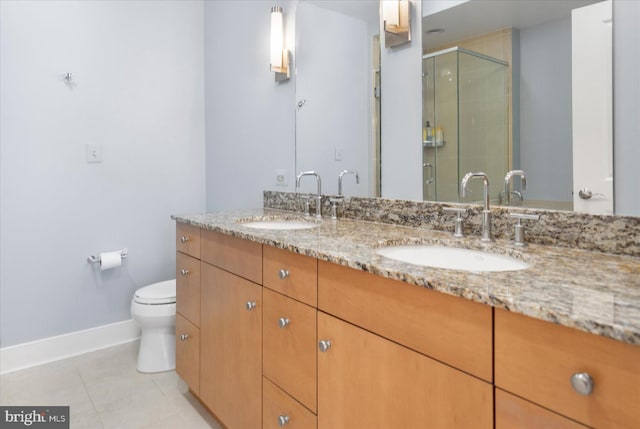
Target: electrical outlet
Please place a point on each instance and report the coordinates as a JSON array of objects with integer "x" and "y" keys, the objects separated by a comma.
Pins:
[
  {"x": 94, "y": 153},
  {"x": 281, "y": 177}
]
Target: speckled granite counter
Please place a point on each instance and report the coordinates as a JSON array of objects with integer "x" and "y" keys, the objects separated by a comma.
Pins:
[{"x": 593, "y": 292}]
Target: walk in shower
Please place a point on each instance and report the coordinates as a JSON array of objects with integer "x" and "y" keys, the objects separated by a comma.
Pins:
[{"x": 465, "y": 122}]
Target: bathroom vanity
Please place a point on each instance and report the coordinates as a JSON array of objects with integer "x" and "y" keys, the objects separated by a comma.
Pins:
[{"x": 311, "y": 328}]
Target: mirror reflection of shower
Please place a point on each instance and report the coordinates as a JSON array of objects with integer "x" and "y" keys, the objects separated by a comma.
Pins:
[{"x": 465, "y": 122}]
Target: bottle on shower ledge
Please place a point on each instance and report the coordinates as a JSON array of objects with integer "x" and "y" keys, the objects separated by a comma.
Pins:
[{"x": 427, "y": 133}]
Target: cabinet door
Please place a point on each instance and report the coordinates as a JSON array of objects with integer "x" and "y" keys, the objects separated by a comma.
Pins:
[
  {"x": 188, "y": 287},
  {"x": 231, "y": 348},
  {"x": 516, "y": 413},
  {"x": 368, "y": 382},
  {"x": 188, "y": 353},
  {"x": 289, "y": 346}
]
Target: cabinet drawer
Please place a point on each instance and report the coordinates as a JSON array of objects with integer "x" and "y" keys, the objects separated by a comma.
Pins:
[
  {"x": 289, "y": 346},
  {"x": 516, "y": 413},
  {"x": 188, "y": 353},
  {"x": 452, "y": 330},
  {"x": 279, "y": 410},
  {"x": 291, "y": 274},
  {"x": 188, "y": 239},
  {"x": 188, "y": 287},
  {"x": 236, "y": 255},
  {"x": 536, "y": 359}
]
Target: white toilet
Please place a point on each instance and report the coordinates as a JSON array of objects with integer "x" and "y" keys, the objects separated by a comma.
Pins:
[{"x": 154, "y": 309}]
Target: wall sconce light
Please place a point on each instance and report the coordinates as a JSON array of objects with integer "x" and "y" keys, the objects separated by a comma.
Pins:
[
  {"x": 279, "y": 55},
  {"x": 397, "y": 25}
]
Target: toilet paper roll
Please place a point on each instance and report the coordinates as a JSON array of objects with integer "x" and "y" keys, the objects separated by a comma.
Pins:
[{"x": 109, "y": 260}]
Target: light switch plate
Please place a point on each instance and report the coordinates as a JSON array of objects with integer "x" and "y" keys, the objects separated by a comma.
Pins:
[{"x": 94, "y": 153}]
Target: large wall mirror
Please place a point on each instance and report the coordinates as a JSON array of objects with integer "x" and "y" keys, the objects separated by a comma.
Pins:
[
  {"x": 519, "y": 85},
  {"x": 499, "y": 86}
]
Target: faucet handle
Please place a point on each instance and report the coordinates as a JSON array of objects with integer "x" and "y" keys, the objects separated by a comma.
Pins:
[
  {"x": 307, "y": 205},
  {"x": 335, "y": 200},
  {"x": 519, "y": 229},
  {"x": 458, "y": 232}
]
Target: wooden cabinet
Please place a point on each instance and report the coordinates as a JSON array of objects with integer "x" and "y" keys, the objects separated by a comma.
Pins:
[
  {"x": 536, "y": 360},
  {"x": 233, "y": 254},
  {"x": 188, "y": 239},
  {"x": 291, "y": 274},
  {"x": 449, "y": 329},
  {"x": 289, "y": 346},
  {"x": 366, "y": 381},
  {"x": 188, "y": 353},
  {"x": 231, "y": 348},
  {"x": 516, "y": 413},
  {"x": 281, "y": 410},
  {"x": 188, "y": 287}
]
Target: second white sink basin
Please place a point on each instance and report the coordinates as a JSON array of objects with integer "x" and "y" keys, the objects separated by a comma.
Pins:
[
  {"x": 279, "y": 224},
  {"x": 452, "y": 258}
]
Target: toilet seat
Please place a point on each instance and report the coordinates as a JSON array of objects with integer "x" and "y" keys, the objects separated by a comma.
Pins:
[{"x": 157, "y": 293}]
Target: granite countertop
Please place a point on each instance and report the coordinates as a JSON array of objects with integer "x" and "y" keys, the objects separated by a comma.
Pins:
[{"x": 593, "y": 292}]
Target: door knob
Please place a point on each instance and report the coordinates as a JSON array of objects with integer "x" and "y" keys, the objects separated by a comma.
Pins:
[
  {"x": 324, "y": 345},
  {"x": 184, "y": 239},
  {"x": 184, "y": 337},
  {"x": 283, "y": 420},
  {"x": 283, "y": 274},
  {"x": 582, "y": 383},
  {"x": 283, "y": 322},
  {"x": 184, "y": 272},
  {"x": 250, "y": 305}
]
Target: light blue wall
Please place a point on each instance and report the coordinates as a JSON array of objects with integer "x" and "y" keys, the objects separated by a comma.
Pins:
[
  {"x": 626, "y": 106},
  {"x": 250, "y": 118},
  {"x": 545, "y": 110},
  {"x": 138, "y": 69}
]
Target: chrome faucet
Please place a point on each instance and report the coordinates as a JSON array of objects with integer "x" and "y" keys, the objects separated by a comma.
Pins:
[
  {"x": 507, "y": 179},
  {"x": 486, "y": 213},
  {"x": 342, "y": 173},
  {"x": 318, "y": 196}
]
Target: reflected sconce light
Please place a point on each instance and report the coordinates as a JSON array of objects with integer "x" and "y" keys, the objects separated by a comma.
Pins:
[
  {"x": 279, "y": 55},
  {"x": 397, "y": 25}
]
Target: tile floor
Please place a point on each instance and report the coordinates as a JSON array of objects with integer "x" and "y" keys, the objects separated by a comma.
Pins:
[{"x": 105, "y": 391}]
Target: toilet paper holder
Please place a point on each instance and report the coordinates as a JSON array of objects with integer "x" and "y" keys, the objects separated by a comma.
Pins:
[{"x": 96, "y": 259}]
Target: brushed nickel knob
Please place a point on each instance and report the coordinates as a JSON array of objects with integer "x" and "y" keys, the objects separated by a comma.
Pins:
[
  {"x": 582, "y": 383},
  {"x": 324, "y": 345},
  {"x": 250, "y": 305},
  {"x": 283, "y": 274},
  {"x": 184, "y": 337},
  {"x": 184, "y": 239},
  {"x": 283, "y": 322},
  {"x": 184, "y": 272},
  {"x": 283, "y": 420}
]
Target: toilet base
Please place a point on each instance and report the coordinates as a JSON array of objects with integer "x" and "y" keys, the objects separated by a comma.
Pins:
[{"x": 157, "y": 350}]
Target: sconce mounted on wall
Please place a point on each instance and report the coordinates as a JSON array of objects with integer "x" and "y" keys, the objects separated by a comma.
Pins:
[
  {"x": 279, "y": 55},
  {"x": 397, "y": 23}
]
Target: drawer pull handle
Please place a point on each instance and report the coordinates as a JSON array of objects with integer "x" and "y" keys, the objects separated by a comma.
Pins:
[
  {"x": 283, "y": 420},
  {"x": 283, "y": 322},
  {"x": 283, "y": 274},
  {"x": 184, "y": 239},
  {"x": 582, "y": 383},
  {"x": 184, "y": 337},
  {"x": 324, "y": 345},
  {"x": 250, "y": 305},
  {"x": 184, "y": 272}
]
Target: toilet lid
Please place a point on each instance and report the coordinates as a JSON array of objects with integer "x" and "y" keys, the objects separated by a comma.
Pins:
[{"x": 157, "y": 293}]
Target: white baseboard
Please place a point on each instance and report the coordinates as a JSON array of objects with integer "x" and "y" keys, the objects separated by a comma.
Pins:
[{"x": 51, "y": 349}]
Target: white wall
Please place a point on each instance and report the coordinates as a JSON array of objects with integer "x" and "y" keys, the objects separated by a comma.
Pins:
[
  {"x": 626, "y": 107},
  {"x": 250, "y": 118},
  {"x": 138, "y": 69},
  {"x": 401, "y": 111}
]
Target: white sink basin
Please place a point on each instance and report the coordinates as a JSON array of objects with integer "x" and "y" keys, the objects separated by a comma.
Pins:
[
  {"x": 279, "y": 224},
  {"x": 453, "y": 258}
]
